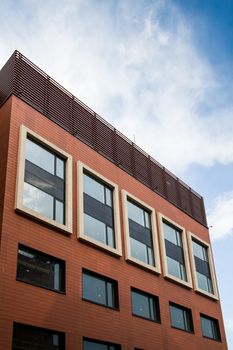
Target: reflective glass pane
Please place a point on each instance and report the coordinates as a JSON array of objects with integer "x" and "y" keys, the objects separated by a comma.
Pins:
[
  {"x": 39, "y": 156},
  {"x": 150, "y": 254},
  {"x": 110, "y": 234},
  {"x": 172, "y": 234},
  {"x": 204, "y": 282},
  {"x": 135, "y": 213},
  {"x": 38, "y": 200},
  {"x": 108, "y": 194},
  {"x": 60, "y": 168},
  {"x": 147, "y": 219},
  {"x": 199, "y": 251},
  {"x": 94, "y": 228},
  {"x": 93, "y": 188},
  {"x": 89, "y": 345},
  {"x": 206, "y": 325},
  {"x": 94, "y": 289},
  {"x": 110, "y": 294},
  {"x": 140, "y": 305},
  {"x": 177, "y": 317},
  {"x": 59, "y": 212},
  {"x": 174, "y": 267},
  {"x": 138, "y": 250}
]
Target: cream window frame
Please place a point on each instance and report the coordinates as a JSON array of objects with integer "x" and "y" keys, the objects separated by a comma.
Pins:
[
  {"x": 215, "y": 294},
  {"x": 155, "y": 241},
  {"x": 81, "y": 167},
  {"x": 24, "y": 132},
  {"x": 166, "y": 274}
]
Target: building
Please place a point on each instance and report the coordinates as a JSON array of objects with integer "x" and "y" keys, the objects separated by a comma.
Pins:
[{"x": 101, "y": 246}]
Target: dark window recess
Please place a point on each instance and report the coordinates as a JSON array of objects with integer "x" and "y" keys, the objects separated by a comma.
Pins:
[
  {"x": 210, "y": 327},
  {"x": 140, "y": 233},
  {"x": 28, "y": 337},
  {"x": 100, "y": 290},
  {"x": 89, "y": 344},
  {"x": 181, "y": 317},
  {"x": 37, "y": 268},
  {"x": 44, "y": 182},
  {"x": 145, "y": 305},
  {"x": 174, "y": 251},
  {"x": 202, "y": 267},
  {"x": 98, "y": 211}
]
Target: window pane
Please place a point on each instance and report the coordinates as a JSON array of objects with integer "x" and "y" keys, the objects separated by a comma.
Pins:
[
  {"x": 41, "y": 269},
  {"x": 111, "y": 241},
  {"x": 199, "y": 251},
  {"x": 89, "y": 345},
  {"x": 140, "y": 305},
  {"x": 172, "y": 235},
  {"x": 27, "y": 338},
  {"x": 94, "y": 289},
  {"x": 59, "y": 212},
  {"x": 38, "y": 200},
  {"x": 60, "y": 168},
  {"x": 175, "y": 268},
  {"x": 93, "y": 188},
  {"x": 108, "y": 194},
  {"x": 138, "y": 250},
  {"x": 207, "y": 328},
  {"x": 177, "y": 317},
  {"x": 204, "y": 282},
  {"x": 147, "y": 219},
  {"x": 151, "y": 260},
  {"x": 94, "y": 228},
  {"x": 135, "y": 213},
  {"x": 39, "y": 156}
]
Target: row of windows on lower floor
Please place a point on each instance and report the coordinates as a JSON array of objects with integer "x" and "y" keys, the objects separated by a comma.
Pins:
[
  {"x": 43, "y": 270},
  {"x": 27, "y": 337}
]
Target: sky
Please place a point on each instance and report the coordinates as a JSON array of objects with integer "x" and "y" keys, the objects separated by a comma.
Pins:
[{"x": 161, "y": 72}]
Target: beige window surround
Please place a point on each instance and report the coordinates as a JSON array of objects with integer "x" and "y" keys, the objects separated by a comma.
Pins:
[
  {"x": 215, "y": 294},
  {"x": 19, "y": 206},
  {"x": 81, "y": 168},
  {"x": 161, "y": 220},
  {"x": 157, "y": 268}
]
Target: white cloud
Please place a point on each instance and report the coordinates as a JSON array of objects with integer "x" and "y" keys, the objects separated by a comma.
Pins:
[
  {"x": 220, "y": 216},
  {"x": 135, "y": 64}
]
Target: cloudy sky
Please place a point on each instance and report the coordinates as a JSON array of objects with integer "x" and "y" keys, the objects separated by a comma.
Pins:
[{"x": 161, "y": 72}]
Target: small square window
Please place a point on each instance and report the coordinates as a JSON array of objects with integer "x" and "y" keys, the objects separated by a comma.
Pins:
[
  {"x": 40, "y": 269},
  {"x": 181, "y": 317},
  {"x": 98, "y": 210},
  {"x": 210, "y": 328},
  {"x": 44, "y": 181},
  {"x": 202, "y": 266},
  {"x": 140, "y": 233},
  {"x": 27, "y": 337},
  {"x": 100, "y": 290},
  {"x": 174, "y": 252},
  {"x": 90, "y": 344},
  {"x": 145, "y": 305}
]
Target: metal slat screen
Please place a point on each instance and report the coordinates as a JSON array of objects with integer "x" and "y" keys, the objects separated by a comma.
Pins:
[{"x": 22, "y": 78}]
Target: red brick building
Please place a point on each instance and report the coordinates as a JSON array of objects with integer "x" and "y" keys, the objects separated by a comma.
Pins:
[{"x": 101, "y": 246}]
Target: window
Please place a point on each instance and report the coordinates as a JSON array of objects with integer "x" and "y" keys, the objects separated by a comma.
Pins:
[
  {"x": 202, "y": 265},
  {"x": 181, "y": 317},
  {"x": 44, "y": 181},
  {"x": 100, "y": 290},
  {"x": 28, "y": 337},
  {"x": 174, "y": 252},
  {"x": 99, "y": 210},
  {"x": 43, "y": 270},
  {"x": 141, "y": 235},
  {"x": 145, "y": 305},
  {"x": 210, "y": 327},
  {"x": 89, "y": 344}
]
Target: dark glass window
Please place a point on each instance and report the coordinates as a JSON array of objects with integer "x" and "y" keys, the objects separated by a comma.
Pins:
[
  {"x": 181, "y": 317},
  {"x": 100, "y": 290},
  {"x": 145, "y": 305},
  {"x": 44, "y": 182},
  {"x": 89, "y": 344},
  {"x": 140, "y": 233},
  {"x": 28, "y": 337},
  {"x": 37, "y": 268},
  {"x": 210, "y": 327},
  {"x": 174, "y": 251},
  {"x": 98, "y": 211},
  {"x": 202, "y": 267}
]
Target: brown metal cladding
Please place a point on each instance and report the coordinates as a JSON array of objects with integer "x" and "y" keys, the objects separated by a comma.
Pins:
[{"x": 22, "y": 78}]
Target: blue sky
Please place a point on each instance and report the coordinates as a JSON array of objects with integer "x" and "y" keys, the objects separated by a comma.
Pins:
[{"x": 157, "y": 68}]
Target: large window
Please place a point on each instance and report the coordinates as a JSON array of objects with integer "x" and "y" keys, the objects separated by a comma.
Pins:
[
  {"x": 37, "y": 268},
  {"x": 145, "y": 305},
  {"x": 28, "y": 337},
  {"x": 181, "y": 317},
  {"x": 44, "y": 181},
  {"x": 141, "y": 235},
  {"x": 203, "y": 268},
  {"x": 98, "y": 210},
  {"x": 100, "y": 290},
  {"x": 89, "y": 344},
  {"x": 210, "y": 327},
  {"x": 174, "y": 252}
]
